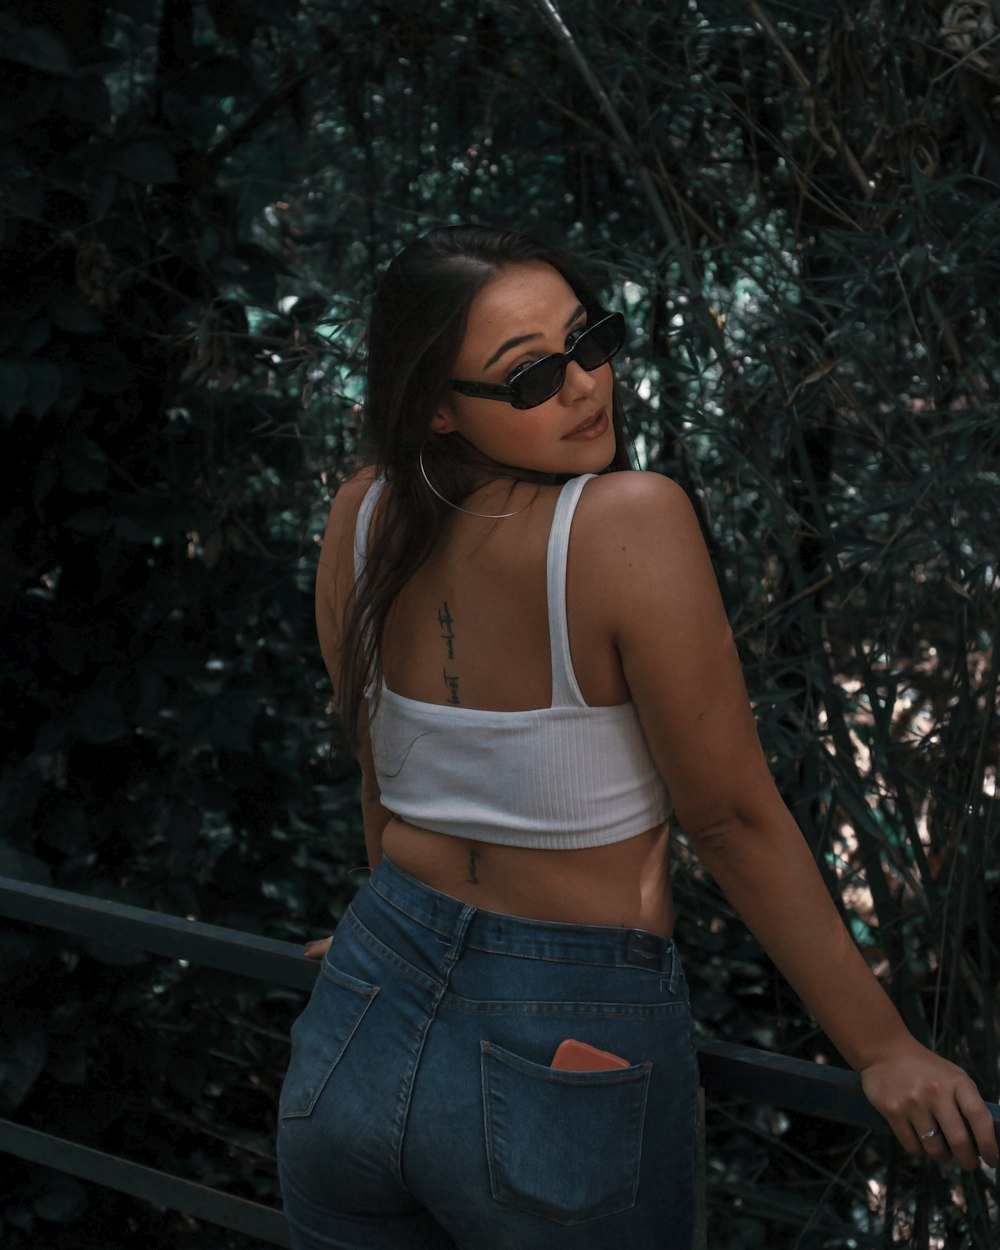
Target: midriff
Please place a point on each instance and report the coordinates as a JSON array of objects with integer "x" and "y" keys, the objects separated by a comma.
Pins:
[{"x": 622, "y": 884}]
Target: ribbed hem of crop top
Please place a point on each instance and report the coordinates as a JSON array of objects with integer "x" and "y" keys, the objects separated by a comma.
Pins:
[{"x": 562, "y": 777}]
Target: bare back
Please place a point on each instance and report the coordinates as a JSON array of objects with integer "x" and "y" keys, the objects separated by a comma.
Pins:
[{"x": 471, "y": 629}]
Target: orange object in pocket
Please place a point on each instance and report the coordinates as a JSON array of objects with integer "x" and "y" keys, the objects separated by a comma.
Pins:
[{"x": 580, "y": 1057}]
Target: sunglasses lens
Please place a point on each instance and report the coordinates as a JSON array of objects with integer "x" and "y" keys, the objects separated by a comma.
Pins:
[
  {"x": 595, "y": 347},
  {"x": 539, "y": 381}
]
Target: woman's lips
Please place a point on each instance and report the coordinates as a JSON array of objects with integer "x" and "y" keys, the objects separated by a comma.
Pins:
[{"x": 593, "y": 427}]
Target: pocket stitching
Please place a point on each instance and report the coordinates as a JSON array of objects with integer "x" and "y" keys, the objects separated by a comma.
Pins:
[
  {"x": 593, "y": 1079},
  {"x": 530, "y": 1006},
  {"x": 348, "y": 983}
]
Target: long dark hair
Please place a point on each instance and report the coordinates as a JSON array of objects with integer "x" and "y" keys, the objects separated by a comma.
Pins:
[{"x": 418, "y": 322}]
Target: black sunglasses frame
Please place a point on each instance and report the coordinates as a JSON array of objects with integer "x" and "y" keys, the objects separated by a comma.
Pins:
[{"x": 511, "y": 393}]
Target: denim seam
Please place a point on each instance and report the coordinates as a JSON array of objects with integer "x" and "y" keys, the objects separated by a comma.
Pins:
[
  {"x": 642, "y": 1130},
  {"x": 379, "y": 948},
  {"x": 405, "y": 1096},
  {"x": 369, "y": 996},
  {"x": 575, "y": 960},
  {"x": 500, "y": 949},
  {"x": 420, "y": 920},
  {"x": 647, "y": 1011}
]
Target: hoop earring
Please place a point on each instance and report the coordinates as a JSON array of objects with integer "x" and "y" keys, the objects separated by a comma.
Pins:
[{"x": 485, "y": 516}]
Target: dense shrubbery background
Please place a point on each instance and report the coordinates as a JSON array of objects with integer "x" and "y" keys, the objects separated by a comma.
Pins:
[{"x": 796, "y": 204}]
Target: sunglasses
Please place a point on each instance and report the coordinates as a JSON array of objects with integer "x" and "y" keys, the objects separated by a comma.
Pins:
[{"x": 533, "y": 384}]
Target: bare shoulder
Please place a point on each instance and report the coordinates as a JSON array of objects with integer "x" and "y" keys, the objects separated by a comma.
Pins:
[
  {"x": 344, "y": 509},
  {"x": 635, "y": 513},
  {"x": 637, "y": 543},
  {"x": 635, "y": 495},
  {"x": 335, "y": 570},
  {"x": 351, "y": 492}
]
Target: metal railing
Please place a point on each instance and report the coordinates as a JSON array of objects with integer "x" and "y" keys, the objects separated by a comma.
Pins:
[{"x": 726, "y": 1068}]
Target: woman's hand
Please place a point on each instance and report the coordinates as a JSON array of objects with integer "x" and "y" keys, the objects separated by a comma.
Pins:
[
  {"x": 931, "y": 1105},
  {"x": 317, "y": 948}
]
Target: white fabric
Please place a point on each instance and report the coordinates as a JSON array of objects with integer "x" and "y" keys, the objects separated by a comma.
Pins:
[{"x": 564, "y": 777}]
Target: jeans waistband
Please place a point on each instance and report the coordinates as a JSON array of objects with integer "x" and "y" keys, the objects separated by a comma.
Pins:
[{"x": 498, "y": 933}]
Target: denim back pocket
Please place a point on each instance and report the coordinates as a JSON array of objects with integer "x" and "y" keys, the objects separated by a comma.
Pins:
[
  {"x": 320, "y": 1036},
  {"x": 563, "y": 1145}
]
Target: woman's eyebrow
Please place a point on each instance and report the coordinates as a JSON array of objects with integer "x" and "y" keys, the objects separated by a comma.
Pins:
[{"x": 526, "y": 338}]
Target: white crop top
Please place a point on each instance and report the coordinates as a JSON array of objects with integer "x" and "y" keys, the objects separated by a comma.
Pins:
[{"x": 562, "y": 777}]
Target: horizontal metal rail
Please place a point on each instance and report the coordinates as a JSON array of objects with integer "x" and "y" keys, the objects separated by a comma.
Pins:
[
  {"x": 264, "y": 959},
  {"x": 160, "y": 1188},
  {"x": 726, "y": 1068},
  {"x": 795, "y": 1084}
]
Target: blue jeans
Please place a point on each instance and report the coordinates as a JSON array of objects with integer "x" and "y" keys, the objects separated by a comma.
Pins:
[{"x": 419, "y": 1111}]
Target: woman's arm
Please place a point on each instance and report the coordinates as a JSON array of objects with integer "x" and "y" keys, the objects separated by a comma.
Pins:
[
  {"x": 334, "y": 581},
  {"x": 334, "y": 585},
  {"x": 681, "y": 665},
  {"x": 374, "y": 816}
]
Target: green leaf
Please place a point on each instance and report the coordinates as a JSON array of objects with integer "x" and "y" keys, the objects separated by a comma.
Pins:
[
  {"x": 70, "y": 311},
  {"x": 218, "y": 76},
  {"x": 133, "y": 531},
  {"x": 99, "y": 717},
  {"x": 106, "y": 369},
  {"x": 90, "y": 521},
  {"x": 22, "y": 866},
  {"x": 84, "y": 465},
  {"x": 85, "y": 99},
  {"x": 19, "y": 1217},
  {"x": 102, "y": 195},
  {"x": 147, "y": 161},
  {"x": 21, "y": 1066},
  {"x": 232, "y": 723},
  {"x": 13, "y": 388},
  {"x": 63, "y": 1200},
  {"x": 44, "y": 385},
  {"x": 64, "y": 828},
  {"x": 34, "y": 336},
  {"x": 260, "y": 286},
  {"x": 233, "y": 21},
  {"x": 28, "y": 106},
  {"x": 152, "y": 696},
  {"x": 113, "y": 953},
  {"x": 16, "y": 948},
  {"x": 26, "y": 201},
  {"x": 54, "y": 735},
  {"x": 188, "y": 1076},
  {"x": 68, "y": 1063},
  {"x": 32, "y": 45}
]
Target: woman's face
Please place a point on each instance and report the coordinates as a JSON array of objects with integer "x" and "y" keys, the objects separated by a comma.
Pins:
[{"x": 523, "y": 313}]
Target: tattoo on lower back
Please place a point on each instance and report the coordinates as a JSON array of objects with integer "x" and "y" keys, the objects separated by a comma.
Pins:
[
  {"x": 472, "y": 878},
  {"x": 447, "y": 622}
]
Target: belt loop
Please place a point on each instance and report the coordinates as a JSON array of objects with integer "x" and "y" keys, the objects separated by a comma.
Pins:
[{"x": 461, "y": 929}]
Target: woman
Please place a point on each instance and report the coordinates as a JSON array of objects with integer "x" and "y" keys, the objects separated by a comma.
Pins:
[{"x": 532, "y": 660}]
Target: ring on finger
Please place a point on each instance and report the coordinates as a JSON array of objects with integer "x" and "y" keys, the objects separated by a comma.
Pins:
[{"x": 931, "y": 1132}]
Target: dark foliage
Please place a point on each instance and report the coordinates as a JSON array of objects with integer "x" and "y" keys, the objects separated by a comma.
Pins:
[{"x": 797, "y": 207}]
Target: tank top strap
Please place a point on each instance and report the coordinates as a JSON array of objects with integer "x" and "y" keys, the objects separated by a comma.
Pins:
[
  {"x": 372, "y": 496},
  {"x": 565, "y": 690}
]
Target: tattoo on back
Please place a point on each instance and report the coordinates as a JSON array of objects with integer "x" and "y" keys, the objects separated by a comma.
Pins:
[
  {"x": 447, "y": 633},
  {"x": 472, "y": 878},
  {"x": 446, "y": 621}
]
